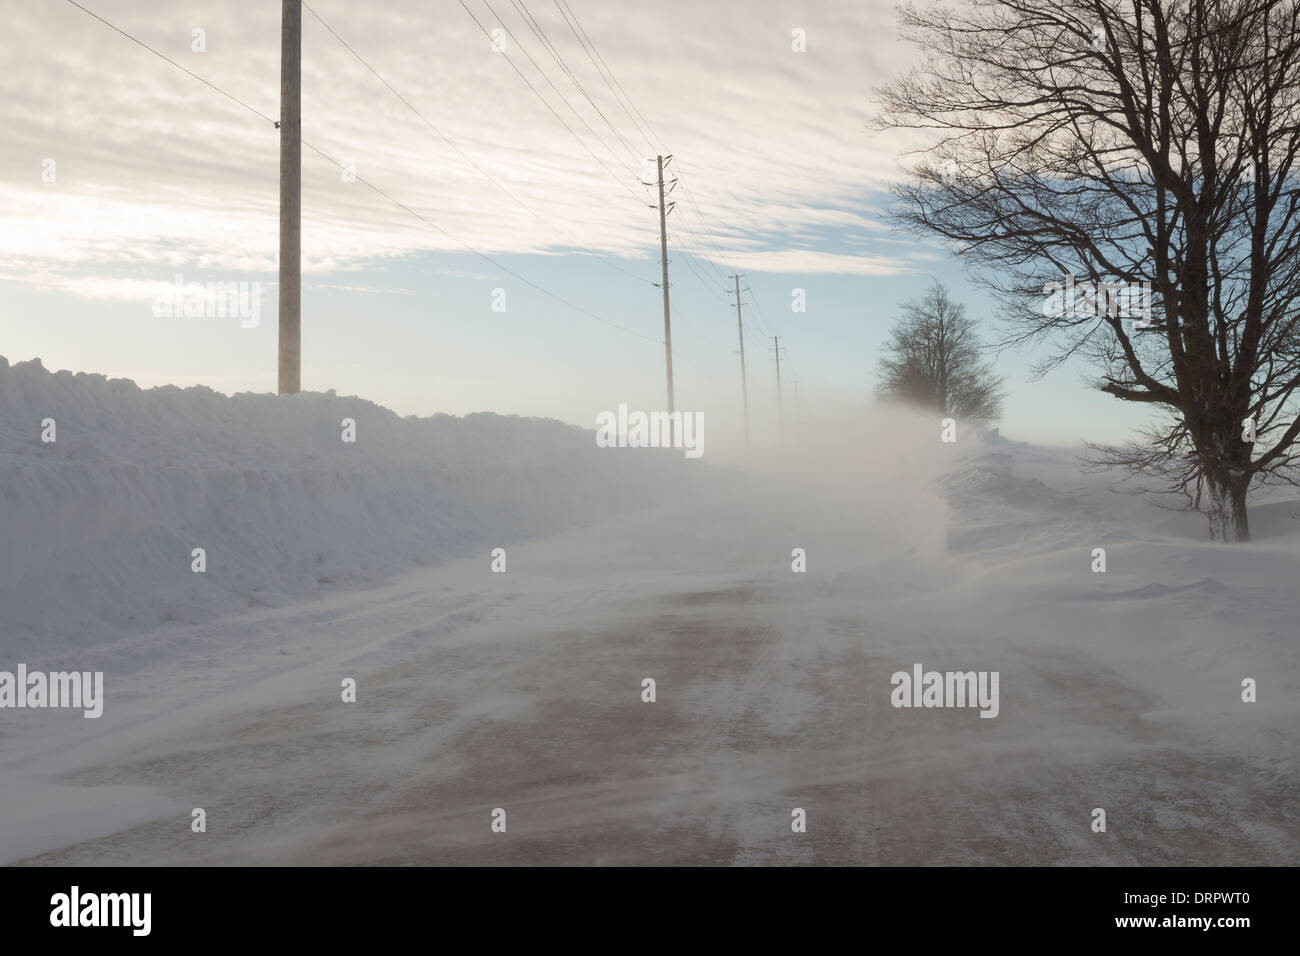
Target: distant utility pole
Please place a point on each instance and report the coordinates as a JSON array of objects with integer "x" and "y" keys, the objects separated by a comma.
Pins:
[
  {"x": 744, "y": 382},
  {"x": 663, "y": 254},
  {"x": 290, "y": 197},
  {"x": 780, "y": 412}
]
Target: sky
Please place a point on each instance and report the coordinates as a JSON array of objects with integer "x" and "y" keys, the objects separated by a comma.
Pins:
[{"x": 506, "y": 257}]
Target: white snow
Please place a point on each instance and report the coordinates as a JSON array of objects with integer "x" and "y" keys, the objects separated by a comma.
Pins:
[
  {"x": 97, "y": 528},
  {"x": 522, "y": 690}
]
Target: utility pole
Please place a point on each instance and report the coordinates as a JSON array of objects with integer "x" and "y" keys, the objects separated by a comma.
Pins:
[
  {"x": 663, "y": 255},
  {"x": 780, "y": 412},
  {"x": 290, "y": 197},
  {"x": 744, "y": 382}
]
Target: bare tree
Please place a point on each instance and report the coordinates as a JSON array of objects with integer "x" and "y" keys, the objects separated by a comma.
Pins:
[
  {"x": 1146, "y": 146},
  {"x": 932, "y": 360}
]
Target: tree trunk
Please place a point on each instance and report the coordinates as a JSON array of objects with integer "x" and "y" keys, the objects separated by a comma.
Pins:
[{"x": 1226, "y": 508}]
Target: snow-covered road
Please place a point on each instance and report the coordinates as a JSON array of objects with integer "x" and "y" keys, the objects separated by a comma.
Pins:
[{"x": 523, "y": 691}]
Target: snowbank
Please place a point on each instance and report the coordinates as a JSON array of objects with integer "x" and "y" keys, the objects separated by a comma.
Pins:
[
  {"x": 97, "y": 529},
  {"x": 1120, "y": 690}
]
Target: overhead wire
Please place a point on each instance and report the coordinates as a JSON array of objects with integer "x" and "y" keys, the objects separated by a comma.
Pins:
[
  {"x": 468, "y": 159},
  {"x": 543, "y": 99},
  {"x": 428, "y": 222}
]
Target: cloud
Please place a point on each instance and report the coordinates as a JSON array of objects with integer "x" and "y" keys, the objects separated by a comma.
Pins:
[
  {"x": 815, "y": 261},
  {"x": 156, "y": 172}
]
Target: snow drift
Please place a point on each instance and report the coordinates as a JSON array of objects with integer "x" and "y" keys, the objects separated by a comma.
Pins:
[
  {"x": 1121, "y": 690},
  {"x": 97, "y": 528}
]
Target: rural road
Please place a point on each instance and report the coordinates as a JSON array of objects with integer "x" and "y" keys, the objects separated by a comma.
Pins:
[{"x": 523, "y": 691}]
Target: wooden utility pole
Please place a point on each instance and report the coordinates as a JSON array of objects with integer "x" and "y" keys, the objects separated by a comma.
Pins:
[
  {"x": 290, "y": 197},
  {"x": 663, "y": 254},
  {"x": 780, "y": 411},
  {"x": 744, "y": 381}
]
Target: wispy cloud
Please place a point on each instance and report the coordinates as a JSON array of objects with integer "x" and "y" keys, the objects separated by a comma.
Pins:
[{"x": 155, "y": 171}]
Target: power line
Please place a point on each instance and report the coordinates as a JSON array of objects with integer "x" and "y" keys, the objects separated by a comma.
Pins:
[
  {"x": 396, "y": 202},
  {"x": 229, "y": 96},
  {"x": 563, "y": 99},
  {"x": 536, "y": 93},
  {"x": 768, "y": 327},
  {"x": 486, "y": 175},
  {"x": 695, "y": 270},
  {"x": 663, "y": 252},
  {"x": 482, "y": 255},
  {"x": 695, "y": 209},
  {"x": 540, "y": 33},
  {"x": 780, "y": 405},
  {"x": 695, "y": 238},
  {"x": 647, "y": 131},
  {"x": 744, "y": 376},
  {"x": 380, "y": 191},
  {"x": 768, "y": 324},
  {"x": 584, "y": 41}
]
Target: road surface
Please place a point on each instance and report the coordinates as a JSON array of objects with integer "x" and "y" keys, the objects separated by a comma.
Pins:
[{"x": 523, "y": 691}]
